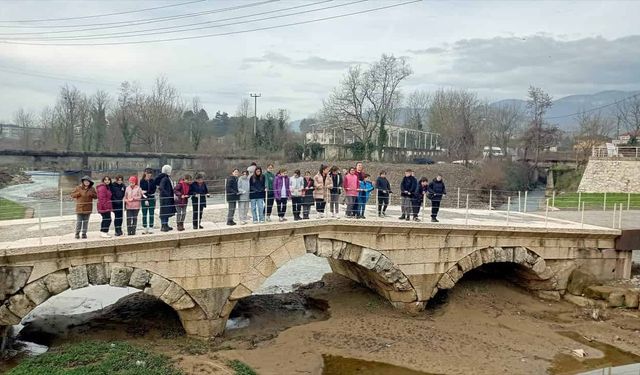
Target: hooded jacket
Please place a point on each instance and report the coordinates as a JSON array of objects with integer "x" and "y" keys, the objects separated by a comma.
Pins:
[
  {"x": 133, "y": 197},
  {"x": 383, "y": 186},
  {"x": 84, "y": 196},
  {"x": 165, "y": 187},
  {"x": 351, "y": 185},
  {"x": 117, "y": 195}
]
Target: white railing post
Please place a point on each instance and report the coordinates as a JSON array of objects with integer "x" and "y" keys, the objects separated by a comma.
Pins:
[
  {"x": 579, "y": 199},
  {"x": 466, "y": 215},
  {"x": 628, "y": 201},
  {"x": 604, "y": 202},
  {"x": 198, "y": 221},
  {"x": 546, "y": 214},
  {"x": 526, "y": 194},
  {"x": 458, "y": 206},
  {"x": 508, "y": 208},
  {"x": 519, "y": 201},
  {"x": 582, "y": 217},
  {"x": 61, "y": 203},
  {"x": 613, "y": 224},
  {"x": 553, "y": 198},
  {"x": 620, "y": 217},
  {"x": 490, "y": 199}
]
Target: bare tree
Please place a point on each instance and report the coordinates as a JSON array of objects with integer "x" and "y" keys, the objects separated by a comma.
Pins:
[
  {"x": 539, "y": 135},
  {"x": 195, "y": 120},
  {"x": 365, "y": 99},
  {"x": 85, "y": 125},
  {"x": 456, "y": 116},
  {"x": 628, "y": 112},
  {"x": 99, "y": 103},
  {"x": 243, "y": 130},
  {"x": 158, "y": 115},
  {"x": 123, "y": 114},
  {"x": 67, "y": 115},
  {"x": 26, "y": 120},
  {"x": 418, "y": 110},
  {"x": 595, "y": 129},
  {"x": 507, "y": 121}
]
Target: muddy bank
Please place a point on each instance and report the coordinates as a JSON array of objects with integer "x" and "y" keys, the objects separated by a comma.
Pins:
[{"x": 484, "y": 325}]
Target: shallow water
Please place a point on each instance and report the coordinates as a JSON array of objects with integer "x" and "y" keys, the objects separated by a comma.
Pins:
[
  {"x": 336, "y": 365},
  {"x": 566, "y": 364}
]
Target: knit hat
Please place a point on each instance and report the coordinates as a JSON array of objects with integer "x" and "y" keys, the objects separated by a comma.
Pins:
[
  {"x": 133, "y": 180},
  {"x": 166, "y": 169}
]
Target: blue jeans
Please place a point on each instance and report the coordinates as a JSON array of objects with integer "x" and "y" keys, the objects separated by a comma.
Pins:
[
  {"x": 257, "y": 210},
  {"x": 361, "y": 201}
]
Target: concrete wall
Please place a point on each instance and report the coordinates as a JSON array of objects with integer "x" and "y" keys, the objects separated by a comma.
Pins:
[
  {"x": 611, "y": 176},
  {"x": 202, "y": 274}
]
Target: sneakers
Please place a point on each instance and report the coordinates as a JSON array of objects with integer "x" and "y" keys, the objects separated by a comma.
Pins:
[
  {"x": 77, "y": 236},
  {"x": 104, "y": 235},
  {"x": 84, "y": 236},
  {"x": 150, "y": 230},
  {"x": 416, "y": 219},
  {"x": 434, "y": 220},
  {"x": 231, "y": 223},
  {"x": 402, "y": 217}
]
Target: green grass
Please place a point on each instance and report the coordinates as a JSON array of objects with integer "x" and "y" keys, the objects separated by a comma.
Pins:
[
  {"x": 241, "y": 368},
  {"x": 10, "y": 210},
  {"x": 93, "y": 358},
  {"x": 596, "y": 200}
]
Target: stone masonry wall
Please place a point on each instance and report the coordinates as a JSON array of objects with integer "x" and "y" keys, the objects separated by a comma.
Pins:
[{"x": 611, "y": 176}]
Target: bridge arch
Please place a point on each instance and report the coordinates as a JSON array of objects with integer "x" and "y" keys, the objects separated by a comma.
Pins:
[
  {"x": 33, "y": 294},
  {"x": 367, "y": 266},
  {"x": 527, "y": 259}
]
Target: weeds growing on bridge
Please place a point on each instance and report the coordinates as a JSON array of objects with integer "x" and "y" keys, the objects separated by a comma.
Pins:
[{"x": 94, "y": 357}]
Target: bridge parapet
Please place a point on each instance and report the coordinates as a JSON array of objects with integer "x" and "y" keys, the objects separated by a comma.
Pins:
[{"x": 202, "y": 274}]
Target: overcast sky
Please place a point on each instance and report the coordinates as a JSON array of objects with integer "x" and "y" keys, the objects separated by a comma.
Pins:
[{"x": 495, "y": 48}]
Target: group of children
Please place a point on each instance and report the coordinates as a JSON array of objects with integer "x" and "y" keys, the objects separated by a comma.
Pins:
[
  {"x": 253, "y": 188},
  {"x": 250, "y": 189},
  {"x": 114, "y": 198}
]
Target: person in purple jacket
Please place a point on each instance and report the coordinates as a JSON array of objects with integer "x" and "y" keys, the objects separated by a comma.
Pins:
[{"x": 282, "y": 193}]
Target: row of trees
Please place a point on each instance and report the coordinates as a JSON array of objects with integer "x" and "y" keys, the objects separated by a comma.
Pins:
[
  {"x": 368, "y": 99},
  {"x": 157, "y": 121}
]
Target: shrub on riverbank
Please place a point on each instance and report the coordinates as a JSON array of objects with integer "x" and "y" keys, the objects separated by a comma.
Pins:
[{"x": 93, "y": 357}]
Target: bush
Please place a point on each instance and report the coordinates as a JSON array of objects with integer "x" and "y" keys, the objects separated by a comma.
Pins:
[
  {"x": 517, "y": 176},
  {"x": 293, "y": 152}
]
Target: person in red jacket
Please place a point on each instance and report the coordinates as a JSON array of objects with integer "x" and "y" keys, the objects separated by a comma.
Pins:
[
  {"x": 104, "y": 206},
  {"x": 181, "y": 191}
]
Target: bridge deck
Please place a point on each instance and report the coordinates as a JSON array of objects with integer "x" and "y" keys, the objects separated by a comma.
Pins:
[{"x": 27, "y": 240}]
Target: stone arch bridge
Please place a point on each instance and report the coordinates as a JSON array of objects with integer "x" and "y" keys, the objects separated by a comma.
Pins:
[{"x": 202, "y": 274}]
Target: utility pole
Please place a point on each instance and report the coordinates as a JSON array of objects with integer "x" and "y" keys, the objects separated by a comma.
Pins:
[{"x": 255, "y": 113}]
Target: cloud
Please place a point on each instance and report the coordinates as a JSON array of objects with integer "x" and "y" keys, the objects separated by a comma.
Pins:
[
  {"x": 427, "y": 51},
  {"x": 558, "y": 65},
  {"x": 311, "y": 62}
]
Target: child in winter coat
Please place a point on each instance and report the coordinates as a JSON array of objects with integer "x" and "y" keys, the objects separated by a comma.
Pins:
[
  {"x": 307, "y": 194},
  {"x": 104, "y": 206},
  {"x": 117, "y": 195},
  {"x": 84, "y": 194},
  {"x": 296, "y": 183},
  {"x": 366, "y": 187},
  {"x": 384, "y": 189},
  {"x": 282, "y": 193},
  {"x": 243, "y": 203},
  {"x": 418, "y": 197},
  {"x": 181, "y": 190},
  {"x": 322, "y": 184},
  {"x": 132, "y": 199}
]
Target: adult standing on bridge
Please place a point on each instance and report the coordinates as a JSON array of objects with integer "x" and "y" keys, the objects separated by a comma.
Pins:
[
  {"x": 182, "y": 200},
  {"x": 351, "y": 186},
  {"x": 384, "y": 189},
  {"x": 84, "y": 194},
  {"x": 269, "y": 177},
  {"x": 117, "y": 195},
  {"x": 199, "y": 193},
  {"x": 148, "y": 186},
  {"x": 418, "y": 197},
  {"x": 322, "y": 183},
  {"x": 336, "y": 180},
  {"x": 233, "y": 195},
  {"x": 104, "y": 206},
  {"x": 408, "y": 187},
  {"x": 167, "y": 201},
  {"x": 282, "y": 192},
  {"x": 243, "y": 190},
  {"x": 437, "y": 191}
]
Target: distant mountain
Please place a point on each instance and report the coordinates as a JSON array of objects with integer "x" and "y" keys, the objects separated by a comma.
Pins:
[{"x": 572, "y": 104}]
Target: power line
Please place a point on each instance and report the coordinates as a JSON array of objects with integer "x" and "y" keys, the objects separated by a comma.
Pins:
[
  {"x": 55, "y": 77},
  {"x": 103, "y": 15},
  {"x": 132, "y": 22},
  {"x": 136, "y": 33},
  {"x": 594, "y": 108},
  {"x": 219, "y": 34}
]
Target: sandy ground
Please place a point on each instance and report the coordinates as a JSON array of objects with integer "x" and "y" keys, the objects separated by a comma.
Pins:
[{"x": 484, "y": 326}]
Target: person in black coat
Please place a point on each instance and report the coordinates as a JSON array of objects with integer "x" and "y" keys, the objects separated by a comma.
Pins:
[
  {"x": 408, "y": 187},
  {"x": 307, "y": 194},
  {"x": 418, "y": 197},
  {"x": 257, "y": 195},
  {"x": 437, "y": 191},
  {"x": 199, "y": 193},
  {"x": 334, "y": 202},
  {"x": 167, "y": 201},
  {"x": 233, "y": 195},
  {"x": 117, "y": 195},
  {"x": 384, "y": 189}
]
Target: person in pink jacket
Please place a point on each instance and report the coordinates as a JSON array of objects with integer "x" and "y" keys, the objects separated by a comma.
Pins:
[
  {"x": 104, "y": 206},
  {"x": 351, "y": 185},
  {"x": 132, "y": 200}
]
